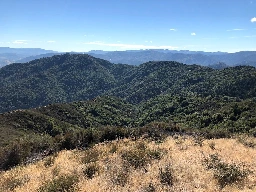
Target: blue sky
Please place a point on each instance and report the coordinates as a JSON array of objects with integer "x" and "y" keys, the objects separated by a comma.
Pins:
[{"x": 83, "y": 25}]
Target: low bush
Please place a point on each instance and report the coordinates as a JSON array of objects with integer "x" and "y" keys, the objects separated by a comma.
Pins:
[
  {"x": 225, "y": 173},
  {"x": 13, "y": 182},
  {"x": 118, "y": 174},
  {"x": 166, "y": 175},
  {"x": 140, "y": 155},
  {"x": 63, "y": 183},
  {"x": 90, "y": 170},
  {"x": 90, "y": 156}
]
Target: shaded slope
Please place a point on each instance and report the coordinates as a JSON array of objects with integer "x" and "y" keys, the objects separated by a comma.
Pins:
[{"x": 60, "y": 118}]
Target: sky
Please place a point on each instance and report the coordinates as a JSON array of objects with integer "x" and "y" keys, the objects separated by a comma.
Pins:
[{"x": 110, "y": 25}]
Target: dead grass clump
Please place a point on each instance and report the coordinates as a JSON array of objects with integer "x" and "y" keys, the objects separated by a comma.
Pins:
[{"x": 90, "y": 156}]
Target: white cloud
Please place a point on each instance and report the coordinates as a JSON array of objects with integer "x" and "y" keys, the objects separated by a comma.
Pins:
[
  {"x": 253, "y": 19},
  {"x": 131, "y": 46},
  {"x": 20, "y": 42},
  {"x": 193, "y": 34},
  {"x": 51, "y": 41},
  {"x": 173, "y": 29},
  {"x": 236, "y": 29}
]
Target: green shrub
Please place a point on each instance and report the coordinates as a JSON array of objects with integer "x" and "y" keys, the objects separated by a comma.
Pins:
[
  {"x": 25, "y": 150},
  {"x": 166, "y": 175},
  {"x": 225, "y": 174},
  {"x": 49, "y": 161},
  {"x": 212, "y": 145},
  {"x": 13, "y": 182},
  {"x": 149, "y": 188},
  {"x": 139, "y": 156},
  {"x": 90, "y": 170},
  {"x": 113, "y": 148},
  {"x": 247, "y": 141},
  {"x": 119, "y": 175},
  {"x": 61, "y": 184},
  {"x": 199, "y": 140}
]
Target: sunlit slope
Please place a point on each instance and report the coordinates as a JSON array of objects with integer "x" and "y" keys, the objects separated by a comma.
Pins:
[{"x": 176, "y": 164}]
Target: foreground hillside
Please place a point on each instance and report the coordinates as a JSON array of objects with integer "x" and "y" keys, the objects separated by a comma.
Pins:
[
  {"x": 76, "y": 77},
  {"x": 178, "y": 163}
]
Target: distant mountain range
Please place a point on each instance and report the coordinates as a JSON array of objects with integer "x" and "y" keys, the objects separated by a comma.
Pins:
[
  {"x": 12, "y": 55},
  {"x": 137, "y": 57},
  {"x": 186, "y": 57}
]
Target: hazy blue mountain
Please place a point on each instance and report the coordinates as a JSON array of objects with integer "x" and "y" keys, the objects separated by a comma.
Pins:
[
  {"x": 138, "y": 57},
  {"x": 11, "y": 55},
  {"x": 31, "y": 58}
]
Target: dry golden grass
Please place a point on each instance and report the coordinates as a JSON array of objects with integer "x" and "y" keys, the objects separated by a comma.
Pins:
[{"x": 183, "y": 155}]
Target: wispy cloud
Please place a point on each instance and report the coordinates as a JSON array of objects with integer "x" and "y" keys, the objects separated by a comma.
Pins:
[
  {"x": 173, "y": 29},
  {"x": 51, "y": 41},
  {"x": 20, "y": 42},
  {"x": 233, "y": 37},
  {"x": 253, "y": 19},
  {"x": 193, "y": 34},
  {"x": 249, "y": 36},
  {"x": 131, "y": 46},
  {"x": 210, "y": 38},
  {"x": 236, "y": 29}
]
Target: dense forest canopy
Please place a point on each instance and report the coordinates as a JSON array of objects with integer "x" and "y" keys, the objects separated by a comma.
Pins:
[{"x": 75, "y": 77}]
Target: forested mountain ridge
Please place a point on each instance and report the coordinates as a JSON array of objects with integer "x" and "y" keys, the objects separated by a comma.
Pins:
[
  {"x": 61, "y": 78},
  {"x": 75, "y": 77}
]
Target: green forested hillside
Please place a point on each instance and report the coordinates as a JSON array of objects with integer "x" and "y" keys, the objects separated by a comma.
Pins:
[
  {"x": 155, "y": 78},
  {"x": 75, "y": 77},
  {"x": 149, "y": 102},
  {"x": 61, "y": 78}
]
